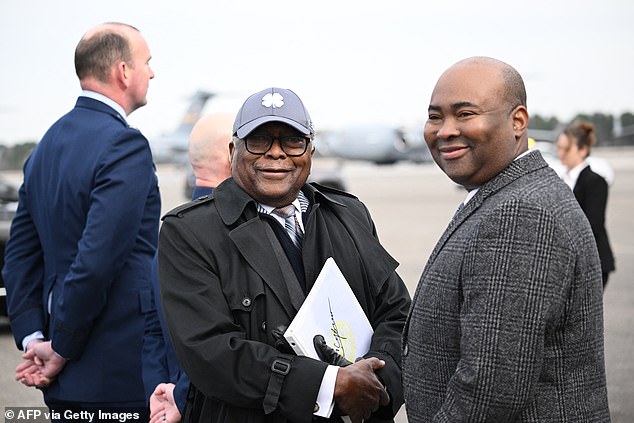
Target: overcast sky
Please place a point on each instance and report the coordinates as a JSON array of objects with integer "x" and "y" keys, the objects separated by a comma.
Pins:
[{"x": 350, "y": 61}]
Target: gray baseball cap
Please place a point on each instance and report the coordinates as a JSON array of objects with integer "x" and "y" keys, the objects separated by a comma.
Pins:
[{"x": 272, "y": 105}]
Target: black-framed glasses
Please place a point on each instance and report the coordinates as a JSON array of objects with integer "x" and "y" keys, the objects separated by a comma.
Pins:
[{"x": 292, "y": 145}]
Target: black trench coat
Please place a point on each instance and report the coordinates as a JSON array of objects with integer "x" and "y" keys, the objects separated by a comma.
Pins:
[{"x": 223, "y": 293}]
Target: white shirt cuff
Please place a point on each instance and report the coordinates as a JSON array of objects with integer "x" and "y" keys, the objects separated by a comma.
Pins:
[
  {"x": 35, "y": 335},
  {"x": 326, "y": 396}
]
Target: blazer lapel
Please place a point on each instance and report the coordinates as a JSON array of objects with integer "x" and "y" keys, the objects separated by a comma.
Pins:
[
  {"x": 455, "y": 223},
  {"x": 515, "y": 170}
]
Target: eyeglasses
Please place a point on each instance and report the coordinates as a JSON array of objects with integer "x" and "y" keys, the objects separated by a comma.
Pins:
[{"x": 292, "y": 145}]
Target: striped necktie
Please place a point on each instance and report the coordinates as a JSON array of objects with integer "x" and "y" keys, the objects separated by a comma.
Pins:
[{"x": 291, "y": 224}]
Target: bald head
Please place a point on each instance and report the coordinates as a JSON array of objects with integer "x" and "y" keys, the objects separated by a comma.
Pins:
[
  {"x": 113, "y": 59},
  {"x": 209, "y": 149},
  {"x": 511, "y": 82},
  {"x": 477, "y": 121},
  {"x": 101, "y": 47}
]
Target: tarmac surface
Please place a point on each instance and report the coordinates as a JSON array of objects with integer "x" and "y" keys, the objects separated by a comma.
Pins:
[{"x": 411, "y": 205}]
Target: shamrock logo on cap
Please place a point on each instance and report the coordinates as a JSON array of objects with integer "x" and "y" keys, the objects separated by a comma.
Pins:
[{"x": 275, "y": 100}]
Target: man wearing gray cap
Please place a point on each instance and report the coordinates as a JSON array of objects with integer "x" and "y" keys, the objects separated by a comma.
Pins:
[{"x": 234, "y": 271}]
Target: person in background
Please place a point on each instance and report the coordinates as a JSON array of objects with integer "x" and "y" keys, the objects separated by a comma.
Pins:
[
  {"x": 166, "y": 384},
  {"x": 209, "y": 152},
  {"x": 235, "y": 267},
  {"x": 506, "y": 324},
  {"x": 79, "y": 258},
  {"x": 590, "y": 188}
]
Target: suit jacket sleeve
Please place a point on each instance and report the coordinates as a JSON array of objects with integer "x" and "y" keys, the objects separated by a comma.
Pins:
[
  {"x": 154, "y": 354},
  {"x": 23, "y": 273},
  {"x": 593, "y": 197},
  {"x": 514, "y": 277},
  {"x": 181, "y": 389},
  {"x": 117, "y": 204},
  {"x": 159, "y": 363}
]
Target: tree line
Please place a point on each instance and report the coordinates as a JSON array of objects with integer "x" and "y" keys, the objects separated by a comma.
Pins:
[
  {"x": 13, "y": 157},
  {"x": 606, "y": 127}
]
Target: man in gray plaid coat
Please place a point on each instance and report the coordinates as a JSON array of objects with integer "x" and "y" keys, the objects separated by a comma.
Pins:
[{"x": 506, "y": 323}]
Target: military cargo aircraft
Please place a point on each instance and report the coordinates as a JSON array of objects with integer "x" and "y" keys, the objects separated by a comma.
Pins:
[
  {"x": 172, "y": 147},
  {"x": 381, "y": 144}
]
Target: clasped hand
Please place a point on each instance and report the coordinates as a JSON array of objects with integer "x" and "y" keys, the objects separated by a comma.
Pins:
[
  {"x": 42, "y": 364},
  {"x": 163, "y": 406},
  {"x": 358, "y": 390}
]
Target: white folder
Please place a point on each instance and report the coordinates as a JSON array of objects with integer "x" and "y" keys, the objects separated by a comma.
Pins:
[{"x": 331, "y": 310}]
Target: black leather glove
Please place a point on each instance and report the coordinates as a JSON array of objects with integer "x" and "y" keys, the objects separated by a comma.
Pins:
[
  {"x": 281, "y": 344},
  {"x": 327, "y": 354}
]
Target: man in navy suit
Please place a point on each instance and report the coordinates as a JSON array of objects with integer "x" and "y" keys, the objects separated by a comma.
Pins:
[{"x": 79, "y": 260}]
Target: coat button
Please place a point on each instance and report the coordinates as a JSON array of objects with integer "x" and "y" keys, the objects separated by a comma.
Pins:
[
  {"x": 263, "y": 326},
  {"x": 405, "y": 350},
  {"x": 246, "y": 301},
  {"x": 316, "y": 408}
]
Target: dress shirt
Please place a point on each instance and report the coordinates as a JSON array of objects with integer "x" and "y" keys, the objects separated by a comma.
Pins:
[
  {"x": 474, "y": 191},
  {"x": 109, "y": 102},
  {"x": 263, "y": 208}
]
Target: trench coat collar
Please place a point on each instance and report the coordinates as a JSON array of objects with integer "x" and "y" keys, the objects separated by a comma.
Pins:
[
  {"x": 315, "y": 195},
  {"x": 238, "y": 210},
  {"x": 234, "y": 202},
  {"x": 240, "y": 203}
]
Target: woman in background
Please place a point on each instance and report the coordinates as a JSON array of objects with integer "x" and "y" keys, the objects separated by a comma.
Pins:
[{"x": 590, "y": 189}]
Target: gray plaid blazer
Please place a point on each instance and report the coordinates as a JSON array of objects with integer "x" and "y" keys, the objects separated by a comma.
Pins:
[{"x": 506, "y": 324}]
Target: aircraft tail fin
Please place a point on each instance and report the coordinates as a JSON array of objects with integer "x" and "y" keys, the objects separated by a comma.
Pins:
[{"x": 194, "y": 111}]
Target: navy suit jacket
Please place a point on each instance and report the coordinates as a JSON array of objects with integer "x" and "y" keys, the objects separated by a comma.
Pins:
[
  {"x": 200, "y": 191},
  {"x": 160, "y": 364},
  {"x": 83, "y": 238},
  {"x": 159, "y": 359}
]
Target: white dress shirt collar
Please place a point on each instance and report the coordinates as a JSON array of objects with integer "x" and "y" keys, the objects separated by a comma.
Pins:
[
  {"x": 298, "y": 210},
  {"x": 474, "y": 191},
  {"x": 100, "y": 97}
]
